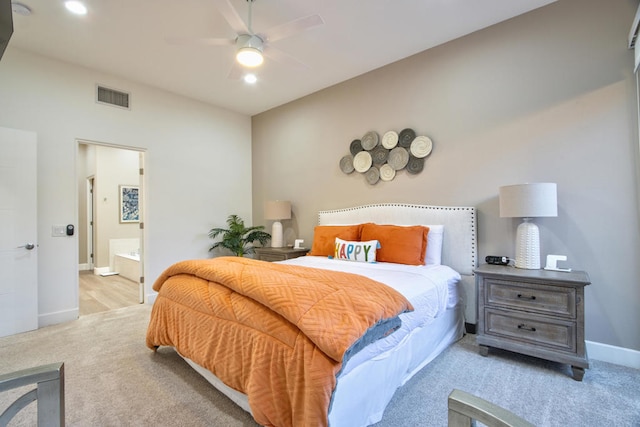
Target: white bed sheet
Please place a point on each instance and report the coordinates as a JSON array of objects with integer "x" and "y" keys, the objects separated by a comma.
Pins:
[
  {"x": 412, "y": 281},
  {"x": 385, "y": 373},
  {"x": 430, "y": 289}
]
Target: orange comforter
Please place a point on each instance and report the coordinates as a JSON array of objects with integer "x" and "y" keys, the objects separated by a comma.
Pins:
[{"x": 275, "y": 332}]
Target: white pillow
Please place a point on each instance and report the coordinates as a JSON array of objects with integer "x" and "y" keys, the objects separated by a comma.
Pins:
[
  {"x": 433, "y": 256},
  {"x": 356, "y": 251}
]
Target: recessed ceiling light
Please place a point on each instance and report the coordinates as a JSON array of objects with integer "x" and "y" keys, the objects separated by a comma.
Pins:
[
  {"x": 76, "y": 7},
  {"x": 20, "y": 9},
  {"x": 250, "y": 78}
]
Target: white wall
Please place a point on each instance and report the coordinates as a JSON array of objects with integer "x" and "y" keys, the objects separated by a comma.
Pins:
[
  {"x": 546, "y": 96},
  {"x": 190, "y": 151}
]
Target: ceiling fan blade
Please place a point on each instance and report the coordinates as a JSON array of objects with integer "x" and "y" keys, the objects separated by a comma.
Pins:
[
  {"x": 293, "y": 27},
  {"x": 284, "y": 58},
  {"x": 235, "y": 72},
  {"x": 232, "y": 17},
  {"x": 201, "y": 41}
]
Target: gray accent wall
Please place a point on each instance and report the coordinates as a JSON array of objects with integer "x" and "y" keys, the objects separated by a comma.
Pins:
[{"x": 549, "y": 96}]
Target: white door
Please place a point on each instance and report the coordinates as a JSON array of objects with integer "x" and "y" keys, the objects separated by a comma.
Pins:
[{"x": 18, "y": 232}]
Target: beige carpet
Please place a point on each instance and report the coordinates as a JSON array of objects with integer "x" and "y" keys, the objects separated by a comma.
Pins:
[{"x": 112, "y": 379}]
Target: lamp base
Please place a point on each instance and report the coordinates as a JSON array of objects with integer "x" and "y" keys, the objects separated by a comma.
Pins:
[
  {"x": 528, "y": 246},
  {"x": 276, "y": 235}
]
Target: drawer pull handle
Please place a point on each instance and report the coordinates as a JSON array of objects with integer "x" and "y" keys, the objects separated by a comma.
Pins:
[
  {"x": 526, "y": 328},
  {"x": 532, "y": 297}
]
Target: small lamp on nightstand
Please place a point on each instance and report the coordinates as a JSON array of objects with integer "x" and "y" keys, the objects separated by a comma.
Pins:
[
  {"x": 528, "y": 201},
  {"x": 277, "y": 210}
]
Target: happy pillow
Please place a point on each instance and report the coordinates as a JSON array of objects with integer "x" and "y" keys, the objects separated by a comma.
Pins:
[
  {"x": 399, "y": 244},
  {"x": 356, "y": 251}
]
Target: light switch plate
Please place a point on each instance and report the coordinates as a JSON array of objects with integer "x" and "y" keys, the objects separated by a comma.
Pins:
[{"x": 59, "y": 231}]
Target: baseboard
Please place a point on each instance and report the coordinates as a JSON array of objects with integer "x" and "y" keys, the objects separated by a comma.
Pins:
[
  {"x": 84, "y": 267},
  {"x": 49, "y": 319},
  {"x": 617, "y": 355}
]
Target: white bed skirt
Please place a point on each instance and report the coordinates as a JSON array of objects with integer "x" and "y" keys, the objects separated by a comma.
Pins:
[{"x": 362, "y": 395}]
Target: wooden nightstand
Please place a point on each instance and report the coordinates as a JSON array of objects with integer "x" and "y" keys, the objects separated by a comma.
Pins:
[
  {"x": 279, "y": 254},
  {"x": 535, "y": 312}
]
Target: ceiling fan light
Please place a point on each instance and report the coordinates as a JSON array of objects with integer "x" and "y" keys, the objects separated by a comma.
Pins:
[{"x": 249, "y": 56}]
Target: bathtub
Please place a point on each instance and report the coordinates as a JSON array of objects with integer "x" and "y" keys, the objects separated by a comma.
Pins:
[{"x": 127, "y": 265}]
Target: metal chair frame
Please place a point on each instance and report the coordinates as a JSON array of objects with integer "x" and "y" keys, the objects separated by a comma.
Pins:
[
  {"x": 49, "y": 393},
  {"x": 465, "y": 409}
]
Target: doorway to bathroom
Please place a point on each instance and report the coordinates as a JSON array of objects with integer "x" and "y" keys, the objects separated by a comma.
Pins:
[{"x": 110, "y": 228}]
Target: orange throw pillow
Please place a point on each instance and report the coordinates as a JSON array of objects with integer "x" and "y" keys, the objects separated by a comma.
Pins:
[
  {"x": 402, "y": 245},
  {"x": 324, "y": 238}
]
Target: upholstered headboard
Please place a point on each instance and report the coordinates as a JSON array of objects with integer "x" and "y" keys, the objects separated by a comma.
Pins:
[{"x": 459, "y": 248}]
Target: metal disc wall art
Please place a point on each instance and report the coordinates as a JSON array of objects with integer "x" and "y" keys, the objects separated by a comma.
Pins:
[
  {"x": 380, "y": 155},
  {"x": 346, "y": 164},
  {"x": 406, "y": 137},
  {"x": 381, "y": 158},
  {"x": 362, "y": 161},
  {"x": 372, "y": 175},
  {"x": 421, "y": 146},
  {"x": 398, "y": 158},
  {"x": 415, "y": 165},
  {"x": 370, "y": 140},
  {"x": 387, "y": 173},
  {"x": 355, "y": 147},
  {"x": 390, "y": 139}
]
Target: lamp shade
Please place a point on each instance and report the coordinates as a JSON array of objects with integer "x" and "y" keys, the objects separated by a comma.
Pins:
[
  {"x": 529, "y": 200},
  {"x": 277, "y": 209}
]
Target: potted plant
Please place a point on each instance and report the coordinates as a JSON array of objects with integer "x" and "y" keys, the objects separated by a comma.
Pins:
[{"x": 238, "y": 238}]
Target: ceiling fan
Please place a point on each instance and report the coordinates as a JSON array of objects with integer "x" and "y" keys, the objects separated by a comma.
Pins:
[{"x": 251, "y": 46}]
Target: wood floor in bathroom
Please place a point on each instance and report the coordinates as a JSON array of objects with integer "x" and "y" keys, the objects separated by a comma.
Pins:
[{"x": 104, "y": 293}]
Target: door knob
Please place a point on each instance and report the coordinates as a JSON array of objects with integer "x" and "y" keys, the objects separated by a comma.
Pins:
[{"x": 28, "y": 246}]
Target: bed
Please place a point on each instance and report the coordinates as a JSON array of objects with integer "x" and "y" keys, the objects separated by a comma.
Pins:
[{"x": 362, "y": 373}]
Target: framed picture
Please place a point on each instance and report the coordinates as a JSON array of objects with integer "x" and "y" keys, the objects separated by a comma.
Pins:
[{"x": 129, "y": 205}]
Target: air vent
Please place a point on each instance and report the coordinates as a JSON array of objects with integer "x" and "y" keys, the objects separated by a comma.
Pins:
[{"x": 113, "y": 97}]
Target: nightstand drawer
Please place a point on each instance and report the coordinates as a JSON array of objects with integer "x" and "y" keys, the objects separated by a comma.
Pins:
[
  {"x": 526, "y": 296},
  {"x": 279, "y": 254},
  {"x": 271, "y": 257},
  {"x": 553, "y": 333}
]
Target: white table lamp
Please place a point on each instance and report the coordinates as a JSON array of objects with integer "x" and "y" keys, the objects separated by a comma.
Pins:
[
  {"x": 528, "y": 201},
  {"x": 277, "y": 210}
]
